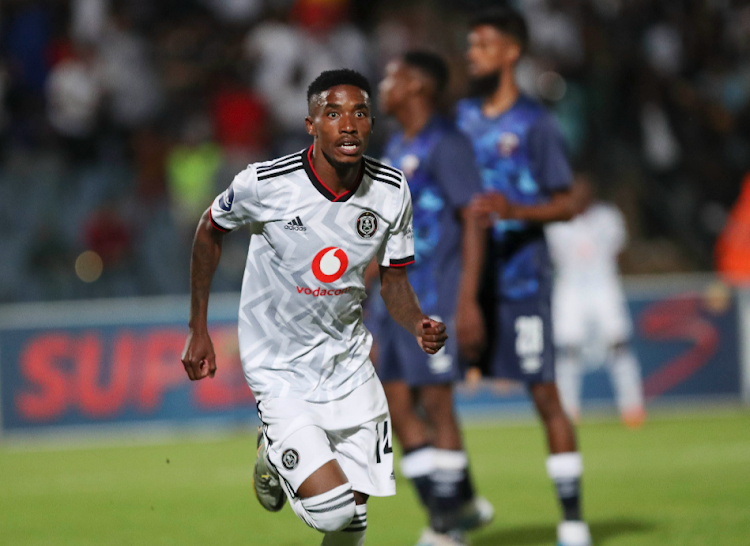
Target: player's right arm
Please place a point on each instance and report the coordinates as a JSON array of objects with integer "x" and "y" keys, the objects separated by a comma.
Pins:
[
  {"x": 237, "y": 206},
  {"x": 403, "y": 306},
  {"x": 198, "y": 357},
  {"x": 398, "y": 295}
]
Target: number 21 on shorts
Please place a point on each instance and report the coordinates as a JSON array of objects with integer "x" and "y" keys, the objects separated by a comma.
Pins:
[
  {"x": 530, "y": 343},
  {"x": 383, "y": 440}
]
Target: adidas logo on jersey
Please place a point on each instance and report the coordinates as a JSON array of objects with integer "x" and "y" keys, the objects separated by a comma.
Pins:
[{"x": 295, "y": 225}]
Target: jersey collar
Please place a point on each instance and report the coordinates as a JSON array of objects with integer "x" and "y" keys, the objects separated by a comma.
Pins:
[{"x": 324, "y": 190}]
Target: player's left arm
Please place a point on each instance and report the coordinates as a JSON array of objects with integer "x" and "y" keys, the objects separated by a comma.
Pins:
[
  {"x": 550, "y": 168},
  {"x": 403, "y": 306},
  {"x": 453, "y": 165}
]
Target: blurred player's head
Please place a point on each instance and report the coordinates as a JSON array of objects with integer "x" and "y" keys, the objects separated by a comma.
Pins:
[
  {"x": 340, "y": 116},
  {"x": 417, "y": 74},
  {"x": 497, "y": 40}
]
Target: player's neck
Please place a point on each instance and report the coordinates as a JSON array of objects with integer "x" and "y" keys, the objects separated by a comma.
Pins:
[
  {"x": 504, "y": 96},
  {"x": 413, "y": 117},
  {"x": 339, "y": 178}
]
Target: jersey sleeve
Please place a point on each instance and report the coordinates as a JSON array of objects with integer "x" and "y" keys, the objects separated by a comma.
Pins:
[
  {"x": 548, "y": 156},
  {"x": 453, "y": 165},
  {"x": 238, "y": 204},
  {"x": 397, "y": 249}
]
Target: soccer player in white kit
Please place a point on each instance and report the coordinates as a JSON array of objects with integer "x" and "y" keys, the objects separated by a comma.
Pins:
[
  {"x": 588, "y": 304},
  {"x": 317, "y": 217}
]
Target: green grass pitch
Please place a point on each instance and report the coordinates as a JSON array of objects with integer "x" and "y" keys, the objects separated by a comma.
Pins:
[{"x": 682, "y": 480}]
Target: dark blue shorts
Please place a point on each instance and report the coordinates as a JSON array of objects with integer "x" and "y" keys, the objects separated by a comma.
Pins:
[
  {"x": 399, "y": 357},
  {"x": 519, "y": 336}
]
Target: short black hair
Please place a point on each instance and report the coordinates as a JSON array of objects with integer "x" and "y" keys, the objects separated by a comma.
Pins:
[
  {"x": 506, "y": 20},
  {"x": 432, "y": 64},
  {"x": 332, "y": 78}
]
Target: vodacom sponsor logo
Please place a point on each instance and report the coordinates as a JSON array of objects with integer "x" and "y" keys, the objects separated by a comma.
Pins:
[{"x": 328, "y": 265}]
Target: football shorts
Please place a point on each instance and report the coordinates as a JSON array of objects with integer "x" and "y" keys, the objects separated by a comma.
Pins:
[{"x": 355, "y": 430}]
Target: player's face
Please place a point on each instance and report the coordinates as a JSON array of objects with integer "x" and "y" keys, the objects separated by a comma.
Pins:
[
  {"x": 490, "y": 51},
  {"x": 341, "y": 122},
  {"x": 394, "y": 87}
]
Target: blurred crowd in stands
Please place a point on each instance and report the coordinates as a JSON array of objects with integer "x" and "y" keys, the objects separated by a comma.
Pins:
[{"x": 121, "y": 119}]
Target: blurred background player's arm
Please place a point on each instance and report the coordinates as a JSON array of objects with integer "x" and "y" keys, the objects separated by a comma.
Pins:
[
  {"x": 470, "y": 327},
  {"x": 560, "y": 208},
  {"x": 550, "y": 169},
  {"x": 403, "y": 306},
  {"x": 198, "y": 357},
  {"x": 454, "y": 167}
]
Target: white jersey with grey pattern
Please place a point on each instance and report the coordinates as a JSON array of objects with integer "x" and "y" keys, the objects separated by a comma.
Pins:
[{"x": 301, "y": 332}]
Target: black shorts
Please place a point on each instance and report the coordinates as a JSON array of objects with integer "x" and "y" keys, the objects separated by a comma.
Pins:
[{"x": 519, "y": 340}]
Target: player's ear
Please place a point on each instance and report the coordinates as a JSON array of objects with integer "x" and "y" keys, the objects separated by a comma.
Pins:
[
  {"x": 513, "y": 52},
  {"x": 415, "y": 86},
  {"x": 310, "y": 126}
]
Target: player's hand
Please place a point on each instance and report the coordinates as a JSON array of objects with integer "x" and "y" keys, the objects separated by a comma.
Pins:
[
  {"x": 431, "y": 335},
  {"x": 198, "y": 357},
  {"x": 470, "y": 330},
  {"x": 490, "y": 207}
]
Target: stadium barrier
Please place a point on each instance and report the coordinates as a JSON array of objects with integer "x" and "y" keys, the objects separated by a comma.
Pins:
[{"x": 109, "y": 364}]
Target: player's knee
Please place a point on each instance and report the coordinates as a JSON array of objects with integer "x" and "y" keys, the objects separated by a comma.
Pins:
[
  {"x": 330, "y": 511},
  {"x": 437, "y": 401}
]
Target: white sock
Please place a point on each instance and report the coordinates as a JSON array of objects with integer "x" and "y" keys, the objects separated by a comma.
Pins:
[
  {"x": 625, "y": 373},
  {"x": 354, "y": 535},
  {"x": 569, "y": 371},
  {"x": 418, "y": 466},
  {"x": 330, "y": 510},
  {"x": 565, "y": 470}
]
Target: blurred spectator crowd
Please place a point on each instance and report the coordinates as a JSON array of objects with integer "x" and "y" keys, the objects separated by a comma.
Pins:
[{"x": 120, "y": 120}]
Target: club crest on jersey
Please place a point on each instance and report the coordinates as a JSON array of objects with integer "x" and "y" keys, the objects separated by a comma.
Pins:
[
  {"x": 290, "y": 459},
  {"x": 507, "y": 144},
  {"x": 330, "y": 264},
  {"x": 367, "y": 225},
  {"x": 226, "y": 200},
  {"x": 409, "y": 164}
]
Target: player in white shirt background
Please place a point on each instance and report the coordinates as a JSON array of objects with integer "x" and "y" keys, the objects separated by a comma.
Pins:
[
  {"x": 589, "y": 309},
  {"x": 317, "y": 218}
]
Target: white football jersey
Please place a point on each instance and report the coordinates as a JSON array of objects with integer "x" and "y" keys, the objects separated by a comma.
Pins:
[
  {"x": 585, "y": 249},
  {"x": 588, "y": 295},
  {"x": 300, "y": 323}
]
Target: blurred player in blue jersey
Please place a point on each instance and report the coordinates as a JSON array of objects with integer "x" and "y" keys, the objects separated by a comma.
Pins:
[
  {"x": 439, "y": 166},
  {"x": 527, "y": 180}
]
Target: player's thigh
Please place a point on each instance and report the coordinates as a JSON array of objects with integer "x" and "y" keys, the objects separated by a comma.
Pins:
[
  {"x": 569, "y": 315},
  {"x": 613, "y": 317},
  {"x": 525, "y": 350},
  {"x": 365, "y": 454},
  {"x": 299, "y": 454}
]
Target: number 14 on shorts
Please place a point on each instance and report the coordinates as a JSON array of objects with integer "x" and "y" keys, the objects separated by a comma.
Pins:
[{"x": 383, "y": 440}]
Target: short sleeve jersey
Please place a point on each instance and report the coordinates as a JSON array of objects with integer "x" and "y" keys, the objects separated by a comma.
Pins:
[
  {"x": 439, "y": 167},
  {"x": 301, "y": 333},
  {"x": 520, "y": 154}
]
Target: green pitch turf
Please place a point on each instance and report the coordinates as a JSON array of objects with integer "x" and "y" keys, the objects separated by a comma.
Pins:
[{"x": 681, "y": 480}]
